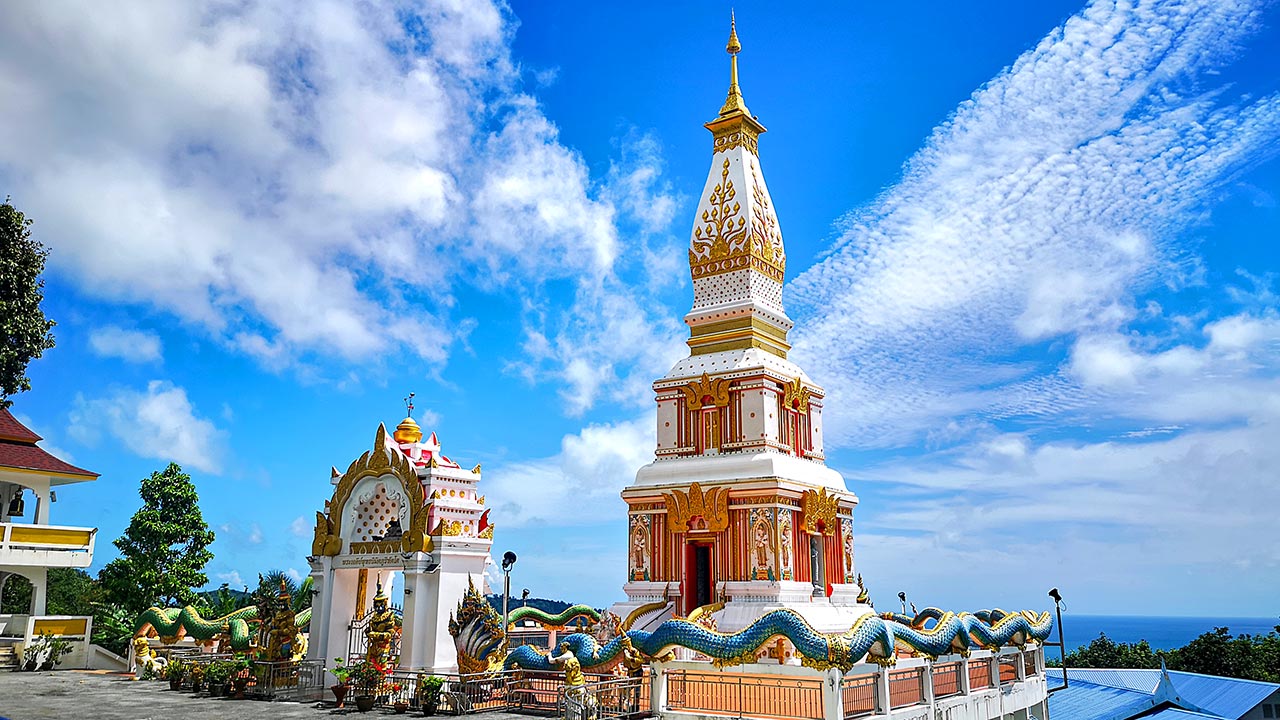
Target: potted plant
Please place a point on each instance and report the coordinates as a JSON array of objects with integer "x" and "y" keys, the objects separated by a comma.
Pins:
[
  {"x": 240, "y": 675},
  {"x": 197, "y": 678},
  {"x": 174, "y": 672},
  {"x": 429, "y": 687},
  {"x": 368, "y": 676},
  {"x": 217, "y": 675},
  {"x": 400, "y": 705},
  {"x": 343, "y": 674}
]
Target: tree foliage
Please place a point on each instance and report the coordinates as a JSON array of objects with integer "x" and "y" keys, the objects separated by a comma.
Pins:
[
  {"x": 24, "y": 330},
  {"x": 69, "y": 591},
  {"x": 164, "y": 550},
  {"x": 1248, "y": 657}
]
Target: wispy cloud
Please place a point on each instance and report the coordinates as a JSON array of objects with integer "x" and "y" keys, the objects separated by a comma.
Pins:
[
  {"x": 157, "y": 422},
  {"x": 128, "y": 345},
  {"x": 1037, "y": 211},
  {"x": 997, "y": 300}
]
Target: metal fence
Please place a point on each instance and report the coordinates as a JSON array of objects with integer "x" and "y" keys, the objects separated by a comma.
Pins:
[
  {"x": 301, "y": 681},
  {"x": 757, "y": 696},
  {"x": 858, "y": 695},
  {"x": 906, "y": 687},
  {"x": 946, "y": 679},
  {"x": 979, "y": 675},
  {"x": 1008, "y": 669}
]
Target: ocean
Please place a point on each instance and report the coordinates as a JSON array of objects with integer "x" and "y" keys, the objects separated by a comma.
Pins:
[{"x": 1163, "y": 633}]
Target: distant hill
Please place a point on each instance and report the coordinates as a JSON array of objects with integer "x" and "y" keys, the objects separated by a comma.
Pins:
[{"x": 551, "y": 607}]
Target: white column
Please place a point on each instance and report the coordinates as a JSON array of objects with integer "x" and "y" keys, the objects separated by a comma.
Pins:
[
  {"x": 42, "y": 503},
  {"x": 964, "y": 676},
  {"x": 340, "y": 607},
  {"x": 318, "y": 635},
  {"x": 417, "y": 637},
  {"x": 39, "y": 580}
]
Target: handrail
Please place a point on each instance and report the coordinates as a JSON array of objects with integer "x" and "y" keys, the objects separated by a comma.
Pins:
[{"x": 16, "y": 536}]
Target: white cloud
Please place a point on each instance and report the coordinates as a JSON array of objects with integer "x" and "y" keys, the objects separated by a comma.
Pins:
[
  {"x": 158, "y": 422},
  {"x": 579, "y": 485},
  {"x": 232, "y": 579},
  {"x": 292, "y": 179},
  {"x": 129, "y": 345},
  {"x": 301, "y": 527},
  {"x": 1039, "y": 210}
]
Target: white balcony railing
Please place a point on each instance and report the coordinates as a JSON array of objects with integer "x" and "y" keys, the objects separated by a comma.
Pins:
[{"x": 46, "y": 545}]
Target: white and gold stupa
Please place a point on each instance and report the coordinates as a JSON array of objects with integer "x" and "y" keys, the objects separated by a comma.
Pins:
[{"x": 738, "y": 505}]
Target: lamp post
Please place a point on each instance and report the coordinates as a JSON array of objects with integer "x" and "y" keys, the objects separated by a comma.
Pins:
[{"x": 508, "y": 560}]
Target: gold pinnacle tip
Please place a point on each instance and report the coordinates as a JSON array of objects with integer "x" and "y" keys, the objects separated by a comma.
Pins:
[{"x": 734, "y": 47}]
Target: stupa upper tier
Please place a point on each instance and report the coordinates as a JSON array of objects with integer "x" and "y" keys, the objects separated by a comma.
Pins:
[{"x": 735, "y": 251}]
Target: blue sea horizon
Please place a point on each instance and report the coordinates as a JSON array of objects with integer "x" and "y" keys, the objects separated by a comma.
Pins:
[{"x": 1162, "y": 633}]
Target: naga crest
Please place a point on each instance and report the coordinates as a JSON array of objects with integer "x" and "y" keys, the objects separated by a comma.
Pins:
[{"x": 477, "y": 633}]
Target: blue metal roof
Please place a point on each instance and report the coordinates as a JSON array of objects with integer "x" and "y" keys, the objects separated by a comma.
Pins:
[
  {"x": 1087, "y": 701},
  {"x": 1173, "y": 713},
  {"x": 1226, "y": 697}
]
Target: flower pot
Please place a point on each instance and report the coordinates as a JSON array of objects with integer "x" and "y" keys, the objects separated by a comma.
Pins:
[
  {"x": 175, "y": 684},
  {"x": 340, "y": 693},
  {"x": 217, "y": 689},
  {"x": 400, "y": 707},
  {"x": 364, "y": 703},
  {"x": 240, "y": 684},
  {"x": 429, "y": 705}
]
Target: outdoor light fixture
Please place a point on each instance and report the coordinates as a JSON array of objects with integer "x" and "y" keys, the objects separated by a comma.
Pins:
[
  {"x": 1062, "y": 644},
  {"x": 903, "y": 597},
  {"x": 508, "y": 560}
]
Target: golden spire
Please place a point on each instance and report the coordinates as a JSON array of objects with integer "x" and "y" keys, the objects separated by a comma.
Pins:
[{"x": 734, "y": 103}]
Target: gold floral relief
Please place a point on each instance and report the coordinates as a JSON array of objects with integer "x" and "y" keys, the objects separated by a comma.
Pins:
[
  {"x": 796, "y": 396},
  {"x": 696, "y": 511},
  {"x": 723, "y": 241},
  {"x": 820, "y": 512},
  {"x": 706, "y": 391}
]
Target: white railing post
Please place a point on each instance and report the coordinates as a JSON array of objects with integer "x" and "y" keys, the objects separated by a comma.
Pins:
[
  {"x": 927, "y": 682},
  {"x": 964, "y": 676},
  {"x": 832, "y": 708},
  {"x": 657, "y": 690},
  {"x": 882, "y": 690}
]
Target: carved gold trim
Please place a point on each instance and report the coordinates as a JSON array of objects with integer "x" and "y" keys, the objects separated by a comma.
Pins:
[
  {"x": 705, "y": 391},
  {"x": 712, "y": 506},
  {"x": 797, "y": 396},
  {"x": 381, "y": 460},
  {"x": 724, "y": 242},
  {"x": 820, "y": 506}
]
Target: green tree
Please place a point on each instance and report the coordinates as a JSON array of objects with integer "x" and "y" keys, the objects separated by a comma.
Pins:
[
  {"x": 1103, "y": 652},
  {"x": 69, "y": 591},
  {"x": 24, "y": 330},
  {"x": 1250, "y": 657},
  {"x": 164, "y": 550}
]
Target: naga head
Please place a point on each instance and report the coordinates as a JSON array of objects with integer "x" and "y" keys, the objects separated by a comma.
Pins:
[{"x": 478, "y": 635}]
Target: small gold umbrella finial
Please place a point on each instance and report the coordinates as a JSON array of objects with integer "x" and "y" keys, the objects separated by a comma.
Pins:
[{"x": 734, "y": 47}]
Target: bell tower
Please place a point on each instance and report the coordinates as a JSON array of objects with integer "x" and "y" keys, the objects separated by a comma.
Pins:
[{"x": 738, "y": 506}]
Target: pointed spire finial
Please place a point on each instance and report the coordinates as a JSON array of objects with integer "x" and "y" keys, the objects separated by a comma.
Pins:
[
  {"x": 734, "y": 103},
  {"x": 408, "y": 403}
]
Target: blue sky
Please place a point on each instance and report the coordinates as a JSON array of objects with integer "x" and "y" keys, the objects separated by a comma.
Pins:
[{"x": 1032, "y": 255}]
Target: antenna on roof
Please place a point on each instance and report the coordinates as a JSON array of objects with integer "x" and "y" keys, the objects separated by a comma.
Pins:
[{"x": 408, "y": 404}]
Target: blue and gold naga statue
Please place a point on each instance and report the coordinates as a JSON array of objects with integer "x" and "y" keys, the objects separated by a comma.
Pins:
[{"x": 880, "y": 638}]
